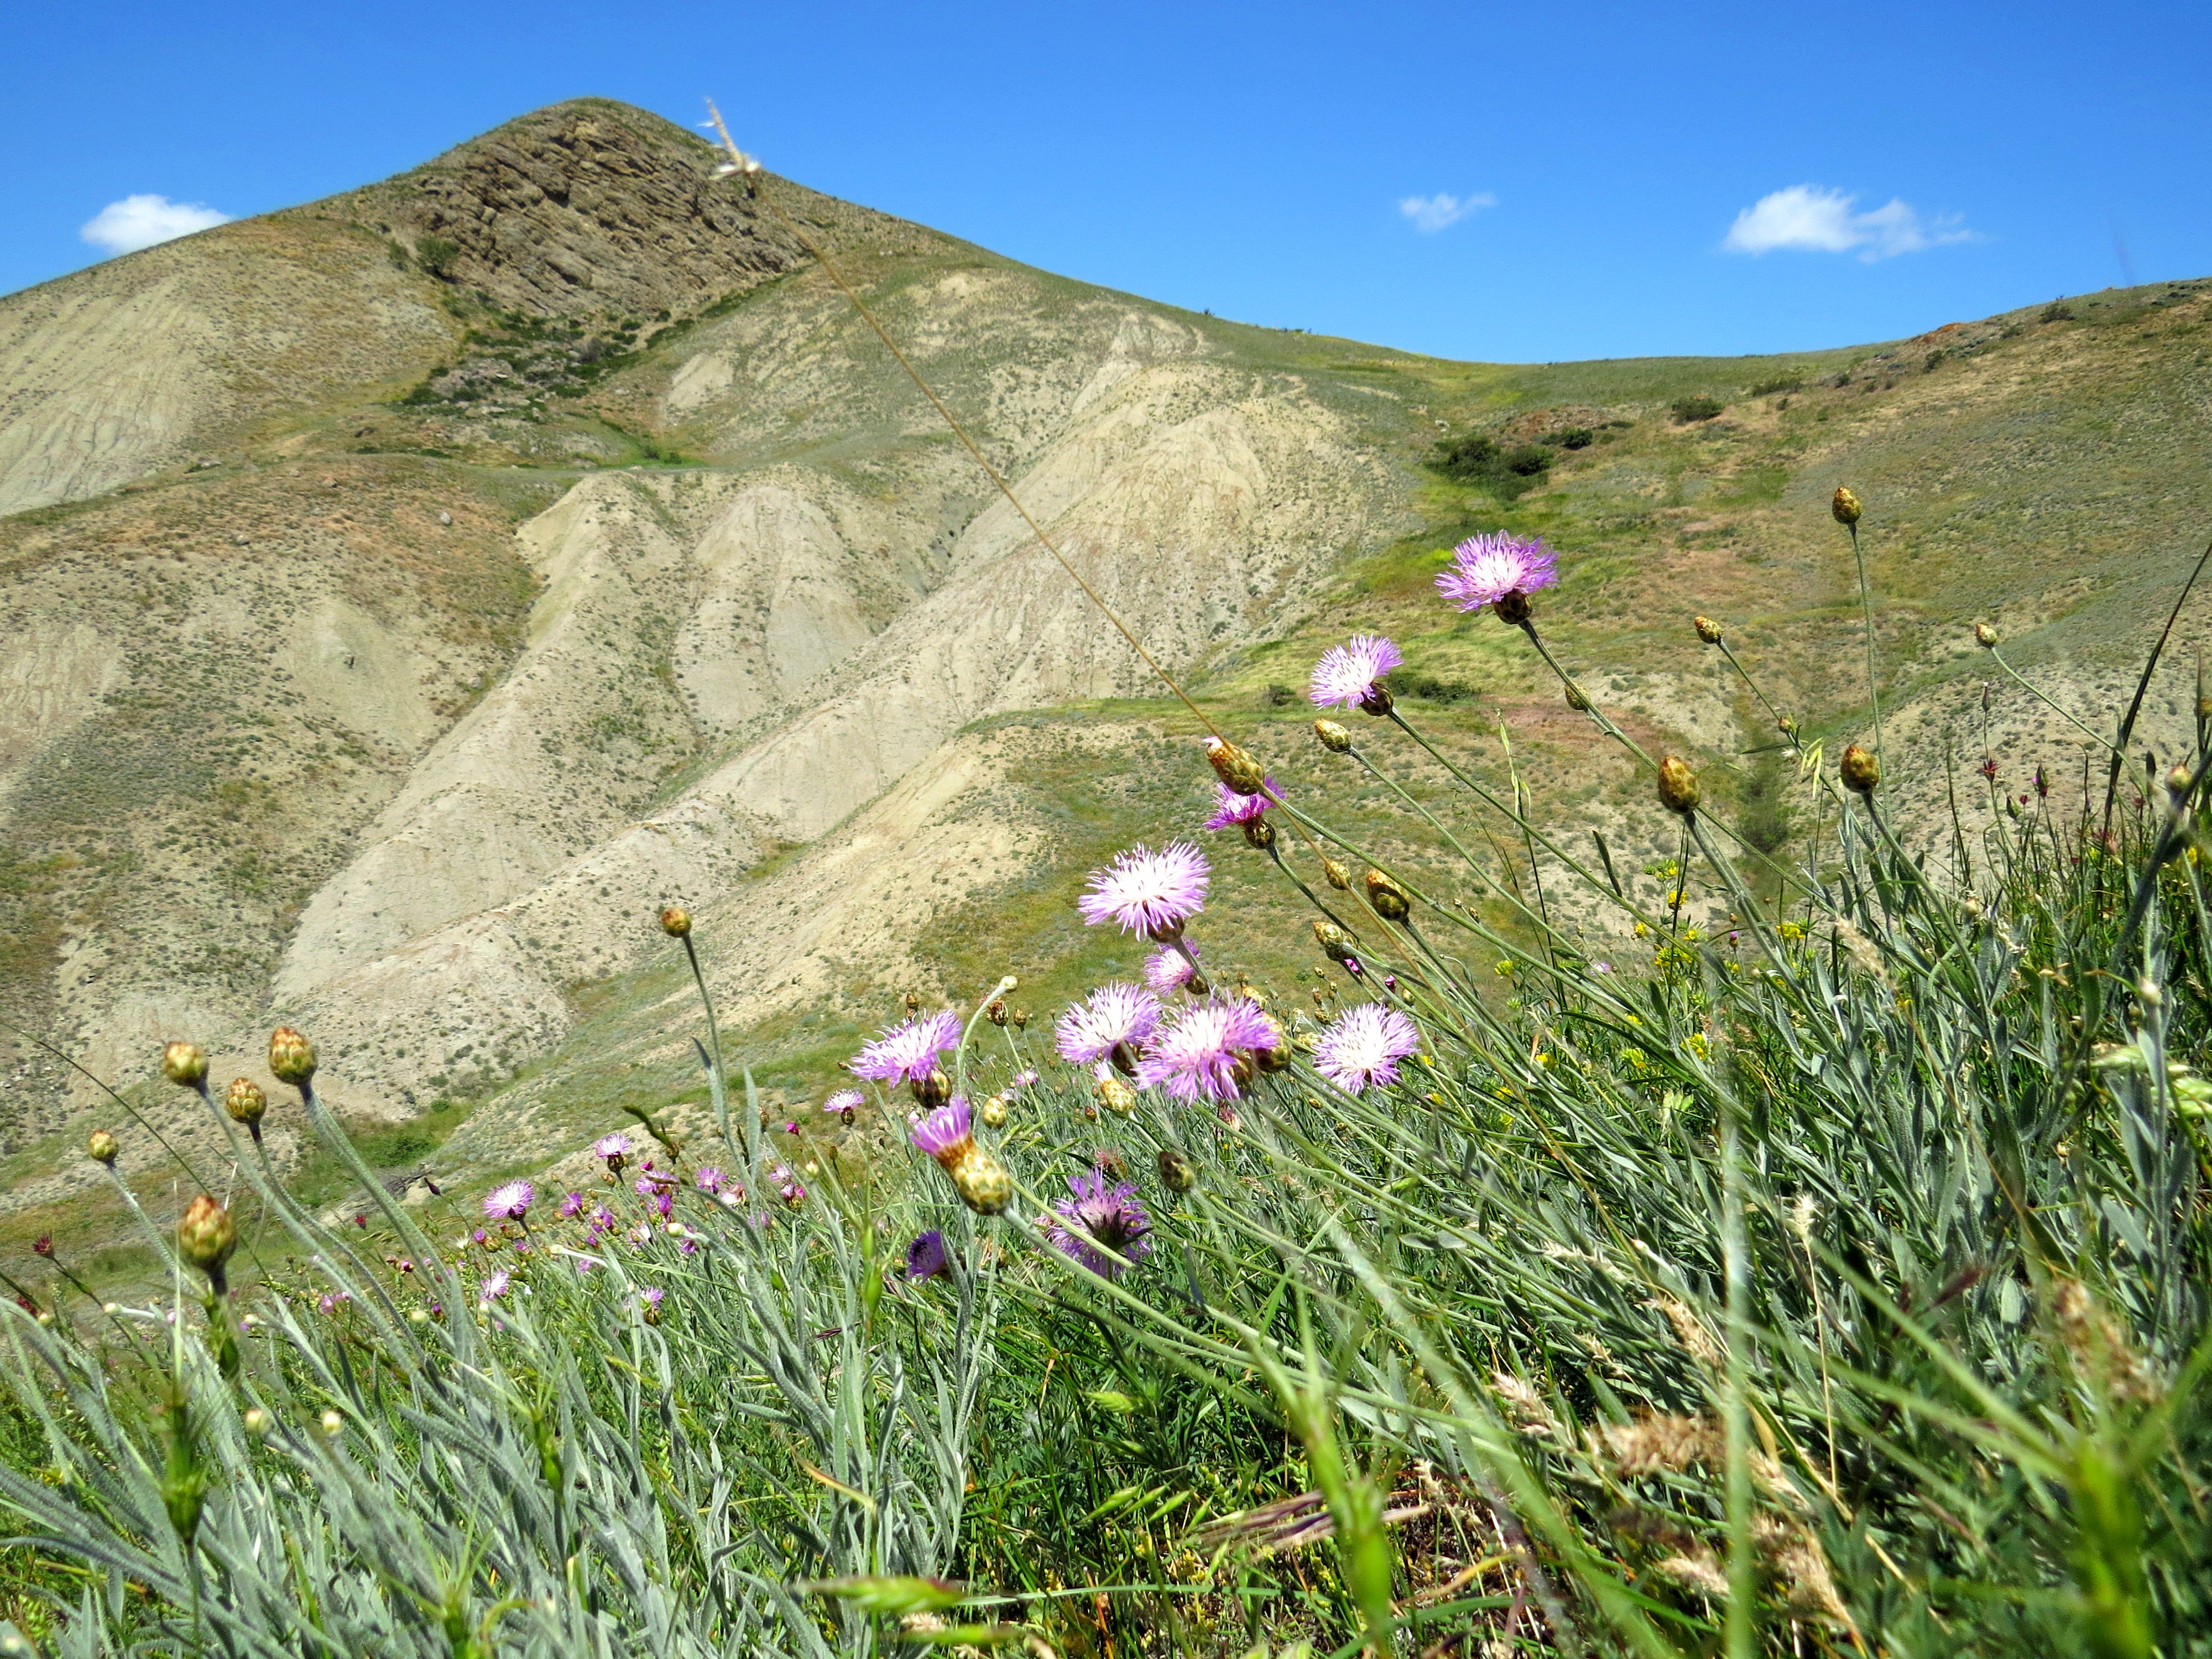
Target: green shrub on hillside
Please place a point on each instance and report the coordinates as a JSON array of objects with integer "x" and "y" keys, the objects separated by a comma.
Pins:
[
  {"x": 1506, "y": 472},
  {"x": 1688, "y": 410}
]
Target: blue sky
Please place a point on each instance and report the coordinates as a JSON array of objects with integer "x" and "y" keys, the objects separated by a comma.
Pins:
[{"x": 1900, "y": 166}]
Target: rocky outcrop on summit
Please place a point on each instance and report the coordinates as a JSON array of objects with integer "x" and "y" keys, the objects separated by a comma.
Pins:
[{"x": 577, "y": 211}]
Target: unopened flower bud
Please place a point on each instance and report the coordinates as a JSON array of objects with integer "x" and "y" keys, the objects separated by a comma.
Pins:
[
  {"x": 333, "y": 1425},
  {"x": 1514, "y": 608},
  {"x": 1336, "y": 738},
  {"x": 258, "y": 1422},
  {"x": 1787, "y": 725},
  {"x": 1845, "y": 507},
  {"x": 1176, "y": 1173},
  {"x": 2149, "y": 992},
  {"x": 1577, "y": 699},
  {"x": 2177, "y": 781},
  {"x": 291, "y": 1056},
  {"x": 1259, "y": 833},
  {"x": 207, "y": 1235},
  {"x": 1678, "y": 786},
  {"x": 932, "y": 1090},
  {"x": 1986, "y": 636},
  {"x": 912, "y": 1003},
  {"x": 1238, "y": 769},
  {"x": 1708, "y": 629},
  {"x": 1388, "y": 899},
  {"x": 996, "y": 1013},
  {"x": 103, "y": 1147},
  {"x": 1861, "y": 770},
  {"x": 1116, "y": 1096},
  {"x": 1021, "y": 1018},
  {"x": 245, "y": 1102},
  {"x": 185, "y": 1064},
  {"x": 982, "y": 1182},
  {"x": 676, "y": 922},
  {"x": 1335, "y": 943},
  {"x": 1338, "y": 877},
  {"x": 993, "y": 1112}
]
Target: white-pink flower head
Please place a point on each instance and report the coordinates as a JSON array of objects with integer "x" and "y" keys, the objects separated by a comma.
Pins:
[
  {"x": 1170, "y": 970},
  {"x": 1349, "y": 673},
  {"x": 845, "y": 1100},
  {"x": 511, "y": 1202},
  {"x": 908, "y": 1053},
  {"x": 1198, "y": 1055},
  {"x": 1363, "y": 1047},
  {"x": 1148, "y": 892},
  {"x": 612, "y": 1146},
  {"x": 1495, "y": 565},
  {"x": 1112, "y": 1016}
]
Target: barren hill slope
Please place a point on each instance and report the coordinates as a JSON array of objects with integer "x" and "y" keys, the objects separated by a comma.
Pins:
[{"x": 567, "y": 547}]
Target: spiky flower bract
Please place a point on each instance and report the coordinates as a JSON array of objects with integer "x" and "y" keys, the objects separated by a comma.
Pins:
[
  {"x": 1102, "y": 1224},
  {"x": 1352, "y": 672},
  {"x": 1170, "y": 970},
  {"x": 1231, "y": 808},
  {"x": 1148, "y": 892},
  {"x": 907, "y": 1053},
  {"x": 1114, "y": 1015},
  {"x": 1362, "y": 1050},
  {"x": 1495, "y": 565},
  {"x": 1199, "y": 1056},
  {"x": 511, "y": 1202}
]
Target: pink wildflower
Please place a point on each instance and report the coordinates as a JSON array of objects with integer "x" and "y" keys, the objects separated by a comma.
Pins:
[
  {"x": 1115, "y": 1015},
  {"x": 1148, "y": 892},
  {"x": 1363, "y": 1047},
  {"x": 908, "y": 1053},
  {"x": 1201, "y": 1054},
  {"x": 1496, "y": 566},
  {"x": 1353, "y": 673}
]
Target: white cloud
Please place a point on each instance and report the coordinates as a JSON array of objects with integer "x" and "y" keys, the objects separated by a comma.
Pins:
[
  {"x": 138, "y": 221},
  {"x": 1810, "y": 219},
  {"x": 1435, "y": 212}
]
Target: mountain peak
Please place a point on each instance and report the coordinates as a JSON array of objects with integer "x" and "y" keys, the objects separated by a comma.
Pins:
[{"x": 588, "y": 207}]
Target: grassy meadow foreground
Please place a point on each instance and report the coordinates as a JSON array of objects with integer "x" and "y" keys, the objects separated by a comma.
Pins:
[{"x": 1821, "y": 1270}]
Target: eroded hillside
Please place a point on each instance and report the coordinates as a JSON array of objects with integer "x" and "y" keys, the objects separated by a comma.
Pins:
[{"x": 409, "y": 593}]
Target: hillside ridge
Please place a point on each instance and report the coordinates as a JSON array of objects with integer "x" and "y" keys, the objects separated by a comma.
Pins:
[{"x": 410, "y": 591}]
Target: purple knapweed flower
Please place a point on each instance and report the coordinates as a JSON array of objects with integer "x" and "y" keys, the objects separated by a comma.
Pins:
[
  {"x": 602, "y": 1220},
  {"x": 664, "y": 1201},
  {"x": 613, "y": 1148},
  {"x": 908, "y": 1053},
  {"x": 1231, "y": 811},
  {"x": 1148, "y": 892},
  {"x": 1494, "y": 567},
  {"x": 1115, "y": 1015},
  {"x": 511, "y": 1202},
  {"x": 709, "y": 1179},
  {"x": 945, "y": 1133},
  {"x": 1102, "y": 1226},
  {"x": 1200, "y": 1052},
  {"x": 845, "y": 1100},
  {"x": 1021, "y": 1080},
  {"x": 1353, "y": 673},
  {"x": 926, "y": 1257},
  {"x": 1363, "y": 1047},
  {"x": 494, "y": 1287},
  {"x": 1169, "y": 969},
  {"x": 572, "y": 1206},
  {"x": 642, "y": 1235}
]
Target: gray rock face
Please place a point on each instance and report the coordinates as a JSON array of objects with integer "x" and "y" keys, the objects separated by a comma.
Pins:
[{"x": 575, "y": 211}]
